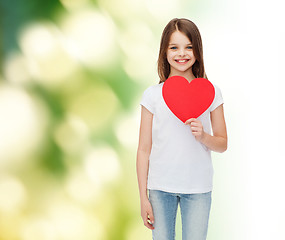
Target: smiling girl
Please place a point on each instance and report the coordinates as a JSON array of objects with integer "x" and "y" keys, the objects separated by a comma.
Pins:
[{"x": 174, "y": 159}]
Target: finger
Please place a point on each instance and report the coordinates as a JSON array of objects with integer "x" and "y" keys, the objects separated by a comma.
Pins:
[
  {"x": 151, "y": 218},
  {"x": 195, "y": 124},
  {"x": 189, "y": 120},
  {"x": 144, "y": 217},
  {"x": 196, "y": 129},
  {"x": 194, "y": 133},
  {"x": 148, "y": 225}
]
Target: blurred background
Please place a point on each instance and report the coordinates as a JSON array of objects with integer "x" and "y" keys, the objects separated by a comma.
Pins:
[{"x": 71, "y": 79}]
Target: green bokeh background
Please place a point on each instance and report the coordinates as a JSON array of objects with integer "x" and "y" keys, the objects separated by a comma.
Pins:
[
  {"x": 72, "y": 75},
  {"x": 71, "y": 79}
]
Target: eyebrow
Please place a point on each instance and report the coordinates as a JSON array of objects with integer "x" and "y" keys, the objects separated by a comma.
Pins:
[{"x": 177, "y": 44}]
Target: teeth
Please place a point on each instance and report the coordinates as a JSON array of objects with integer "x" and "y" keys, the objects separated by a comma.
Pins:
[{"x": 182, "y": 61}]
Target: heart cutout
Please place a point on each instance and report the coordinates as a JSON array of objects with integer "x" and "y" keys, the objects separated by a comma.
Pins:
[{"x": 188, "y": 100}]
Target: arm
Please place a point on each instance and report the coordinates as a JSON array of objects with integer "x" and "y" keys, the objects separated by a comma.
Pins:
[
  {"x": 143, "y": 152},
  {"x": 217, "y": 142}
]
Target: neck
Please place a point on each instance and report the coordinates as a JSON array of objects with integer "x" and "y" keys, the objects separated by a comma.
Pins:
[{"x": 188, "y": 75}]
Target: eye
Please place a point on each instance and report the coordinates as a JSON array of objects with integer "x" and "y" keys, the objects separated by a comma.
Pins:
[
  {"x": 173, "y": 47},
  {"x": 189, "y": 47}
]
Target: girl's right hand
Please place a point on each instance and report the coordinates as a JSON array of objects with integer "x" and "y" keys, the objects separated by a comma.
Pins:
[{"x": 147, "y": 214}]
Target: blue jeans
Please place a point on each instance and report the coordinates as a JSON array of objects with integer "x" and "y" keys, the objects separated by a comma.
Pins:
[{"x": 195, "y": 211}]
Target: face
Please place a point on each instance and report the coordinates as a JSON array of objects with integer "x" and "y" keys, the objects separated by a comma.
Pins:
[{"x": 180, "y": 54}]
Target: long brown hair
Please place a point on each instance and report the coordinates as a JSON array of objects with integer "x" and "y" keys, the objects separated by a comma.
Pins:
[{"x": 192, "y": 32}]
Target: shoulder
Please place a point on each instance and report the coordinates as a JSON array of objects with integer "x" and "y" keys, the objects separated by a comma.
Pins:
[
  {"x": 216, "y": 86},
  {"x": 218, "y": 99},
  {"x": 155, "y": 86},
  {"x": 152, "y": 89},
  {"x": 150, "y": 96},
  {"x": 217, "y": 89}
]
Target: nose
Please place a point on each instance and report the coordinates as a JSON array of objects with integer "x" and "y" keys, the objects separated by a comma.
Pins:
[{"x": 181, "y": 52}]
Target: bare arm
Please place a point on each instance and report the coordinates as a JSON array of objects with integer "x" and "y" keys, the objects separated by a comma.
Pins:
[
  {"x": 217, "y": 142},
  {"x": 144, "y": 148}
]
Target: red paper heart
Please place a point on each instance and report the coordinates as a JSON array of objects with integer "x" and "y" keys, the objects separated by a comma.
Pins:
[{"x": 188, "y": 100}]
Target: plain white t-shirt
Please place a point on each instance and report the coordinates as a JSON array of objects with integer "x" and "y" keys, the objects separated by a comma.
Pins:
[{"x": 178, "y": 163}]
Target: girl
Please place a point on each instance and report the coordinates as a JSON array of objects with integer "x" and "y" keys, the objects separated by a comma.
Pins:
[{"x": 174, "y": 159}]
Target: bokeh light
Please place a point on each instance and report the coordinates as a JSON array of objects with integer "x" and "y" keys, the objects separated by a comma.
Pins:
[
  {"x": 71, "y": 135},
  {"x": 22, "y": 118},
  {"x": 48, "y": 59},
  {"x": 16, "y": 69},
  {"x": 138, "y": 45},
  {"x": 91, "y": 35},
  {"x": 96, "y": 106},
  {"x": 102, "y": 165},
  {"x": 13, "y": 194}
]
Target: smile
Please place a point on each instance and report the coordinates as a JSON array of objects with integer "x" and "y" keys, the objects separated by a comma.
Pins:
[{"x": 182, "y": 60}]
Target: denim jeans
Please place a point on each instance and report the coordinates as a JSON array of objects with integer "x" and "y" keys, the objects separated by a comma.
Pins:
[{"x": 195, "y": 211}]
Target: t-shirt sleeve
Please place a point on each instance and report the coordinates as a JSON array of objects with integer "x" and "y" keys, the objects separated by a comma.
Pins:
[
  {"x": 218, "y": 100},
  {"x": 147, "y": 99}
]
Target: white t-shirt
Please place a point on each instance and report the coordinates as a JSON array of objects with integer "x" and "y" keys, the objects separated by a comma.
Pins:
[{"x": 178, "y": 162}]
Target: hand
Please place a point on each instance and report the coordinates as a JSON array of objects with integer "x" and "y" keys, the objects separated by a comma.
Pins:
[
  {"x": 196, "y": 128},
  {"x": 147, "y": 214}
]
